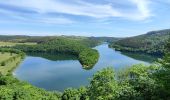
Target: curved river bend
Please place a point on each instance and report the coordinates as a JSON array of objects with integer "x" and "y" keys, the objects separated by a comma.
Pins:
[{"x": 58, "y": 72}]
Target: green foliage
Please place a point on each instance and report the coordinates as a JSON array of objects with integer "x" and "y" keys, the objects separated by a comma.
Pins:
[
  {"x": 3, "y": 50},
  {"x": 20, "y": 93},
  {"x": 142, "y": 79},
  {"x": 105, "y": 39},
  {"x": 163, "y": 75},
  {"x": 136, "y": 71},
  {"x": 127, "y": 92},
  {"x": 6, "y": 80},
  {"x": 88, "y": 58},
  {"x": 8, "y": 62},
  {"x": 103, "y": 85},
  {"x": 6, "y": 94},
  {"x": 83, "y": 93},
  {"x": 71, "y": 94},
  {"x": 151, "y": 43},
  {"x": 75, "y": 94},
  {"x": 3, "y": 63},
  {"x": 77, "y": 47},
  {"x": 14, "y": 38},
  {"x": 12, "y": 89}
]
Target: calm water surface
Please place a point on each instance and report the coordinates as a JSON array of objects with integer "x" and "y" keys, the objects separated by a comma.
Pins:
[{"x": 61, "y": 71}]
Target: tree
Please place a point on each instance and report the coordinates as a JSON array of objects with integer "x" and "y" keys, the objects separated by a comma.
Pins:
[
  {"x": 88, "y": 58},
  {"x": 3, "y": 63},
  {"x": 71, "y": 94},
  {"x": 103, "y": 85},
  {"x": 163, "y": 75},
  {"x": 140, "y": 83}
]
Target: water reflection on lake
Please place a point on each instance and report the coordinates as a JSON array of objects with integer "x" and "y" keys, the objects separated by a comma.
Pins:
[{"x": 61, "y": 71}]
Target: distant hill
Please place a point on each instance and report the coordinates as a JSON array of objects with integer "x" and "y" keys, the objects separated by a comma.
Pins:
[
  {"x": 106, "y": 39},
  {"x": 25, "y": 38},
  {"x": 40, "y": 39},
  {"x": 13, "y": 37},
  {"x": 152, "y": 42}
]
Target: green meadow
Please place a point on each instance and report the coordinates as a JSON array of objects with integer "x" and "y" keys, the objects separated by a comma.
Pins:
[
  {"x": 10, "y": 65},
  {"x": 14, "y": 44}
]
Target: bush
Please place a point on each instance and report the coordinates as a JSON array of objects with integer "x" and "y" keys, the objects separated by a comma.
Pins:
[
  {"x": 88, "y": 58},
  {"x": 3, "y": 63},
  {"x": 103, "y": 85}
]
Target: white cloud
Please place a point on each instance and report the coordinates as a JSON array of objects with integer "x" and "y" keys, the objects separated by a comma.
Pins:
[
  {"x": 59, "y": 20},
  {"x": 34, "y": 18},
  {"x": 143, "y": 9},
  {"x": 79, "y": 7}
]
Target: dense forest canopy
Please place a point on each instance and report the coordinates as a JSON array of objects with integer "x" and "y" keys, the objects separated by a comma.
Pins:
[
  {"x": 40, "y": 39},
  {"x": 80, "y": 47},
  {"x": 106, "y": 39},
  {"x": 152, "y": 43},
  {"x": 13, "y": 38}
]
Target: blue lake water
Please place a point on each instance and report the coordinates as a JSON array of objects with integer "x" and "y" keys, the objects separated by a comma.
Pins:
[{"x": 61, "y": 71}]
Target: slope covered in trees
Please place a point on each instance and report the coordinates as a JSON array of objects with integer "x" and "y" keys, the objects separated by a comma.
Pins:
[
  {"x": 24, "y": 38},
  {"x": 13, "y": 38},
  {"x": 12, "y": 89},
  {"x": 152, "y": 43},
  {"x": 106, "y": 39},
  {"x": 77, "y": 46}
]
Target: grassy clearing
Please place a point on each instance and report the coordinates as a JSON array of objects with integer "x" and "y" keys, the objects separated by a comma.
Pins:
[
  {"x": 4, "y": 70},
  {"x": 13, "y": 44},
  {"x": 5, "y": 56}
]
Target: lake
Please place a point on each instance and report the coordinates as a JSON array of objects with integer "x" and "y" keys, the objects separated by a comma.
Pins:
[{"x": 61, "y": 71}]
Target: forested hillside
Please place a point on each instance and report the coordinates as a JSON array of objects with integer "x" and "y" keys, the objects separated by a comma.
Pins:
[
  {"x": 40, "y": 39},
  {"x": 80, "y": 47},
  {"x": 13, "y": 38},
  {"x": 106, "y": 39},
  {"x": 24, "y": 38},
  {"x": 152, "y": 43}
]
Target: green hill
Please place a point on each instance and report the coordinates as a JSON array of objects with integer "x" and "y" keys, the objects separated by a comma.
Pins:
[
  {"x": 106, "y": 39},
  {"x": 78, "y": 46},
  {"x": 151, "y": 42}
]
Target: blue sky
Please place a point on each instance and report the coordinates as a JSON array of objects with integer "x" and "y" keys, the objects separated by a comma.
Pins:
[{"x": 117, "y": 18}]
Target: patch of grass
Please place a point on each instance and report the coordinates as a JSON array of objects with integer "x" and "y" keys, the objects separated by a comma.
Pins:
[
  {"x": 9, "y": 66},
  {"x": 13, "y": 44},
  {"x": 5, "y": 56}
]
